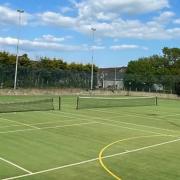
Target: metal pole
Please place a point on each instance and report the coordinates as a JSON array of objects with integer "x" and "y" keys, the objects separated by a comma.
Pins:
[
  {"x": 92, "y": 66},
  {"x": 103, "y": 80},
  {"x": 156, "y": 101},
  {"x": 17, "y": 50},
  {"x": 59, "y": 102},
  {"x": 115, "y": 78},
  {"x": 77, "y": 103}
]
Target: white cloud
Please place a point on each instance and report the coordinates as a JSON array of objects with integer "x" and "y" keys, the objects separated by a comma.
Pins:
[
  {"x": 103, "y": 16},
  {"x": 117, "y": 28},
  {"x": 176, "y": 21},
  {"x": 91, "y": 8},
  {"x": 127, "y": 47},
  {"x": 8, "y": 41},
  {"x": 37, "y": 45},
  {"x": 97, "y": 48},
  {"x": 129, "y": 29},
  {"x": 50, "y": 38},
  {"x": 165, "y": 17},
  {"x": 175, "y": 31},
  {"x": 9, "y": 16},
  {"x": 98, "y": 41},
  {"x": 57, "y": 19},
  {"x": 66, "y": 9},
  {"x": 7, "y": 4}
]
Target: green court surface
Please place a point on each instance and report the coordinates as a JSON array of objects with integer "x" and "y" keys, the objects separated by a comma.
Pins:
[{"x": 136, "y": 143}]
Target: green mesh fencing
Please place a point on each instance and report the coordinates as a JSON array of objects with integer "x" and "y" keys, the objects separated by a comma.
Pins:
[
  {"x": 30, "y": 77},
  {"x": 104, "y": 102},
  {"x": 117, "y": 80},
  {"x": 36, "y": 105}
]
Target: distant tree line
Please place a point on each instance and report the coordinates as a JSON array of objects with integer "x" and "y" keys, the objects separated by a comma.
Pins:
[
  {"x": 45, "y": 72},
  {"x": 160, "y": 70},
  {"x": 147, "y": 73}
]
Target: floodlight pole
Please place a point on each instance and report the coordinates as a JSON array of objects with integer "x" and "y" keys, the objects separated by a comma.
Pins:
[
  {"x": 115, "y": 78},
  {"x": 17, "y": 48},
  {"x": 92, "y": 70}
]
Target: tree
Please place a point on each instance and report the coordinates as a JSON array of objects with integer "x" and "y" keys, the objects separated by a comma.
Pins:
[
  {"x": 177, "y": 88},
  {"x": 45, "y": 72},
  {"x": 171, "y": 54},
  {"x": 24, "y": 60},
  {"x": 160, "y": 70}
]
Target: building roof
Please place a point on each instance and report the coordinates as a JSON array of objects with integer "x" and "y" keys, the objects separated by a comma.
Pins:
[{"x": 112, "y": 70}]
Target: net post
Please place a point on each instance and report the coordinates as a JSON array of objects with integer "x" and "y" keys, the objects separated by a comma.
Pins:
[
  {"x": 59, "y": 103},
  {"x": 77, "y": 105},
  {"x": 52, "y": 100},
  {"x": 156, "y": 101}
]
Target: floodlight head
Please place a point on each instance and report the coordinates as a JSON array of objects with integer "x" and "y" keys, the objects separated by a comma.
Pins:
[
  {"x": 20, "y": 11},
  {"x": 93, "y": 29}
]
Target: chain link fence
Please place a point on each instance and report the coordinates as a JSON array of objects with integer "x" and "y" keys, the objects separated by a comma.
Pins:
[
  {"x": 134, "y": 82},
  {"x": 29, "y": 77}
]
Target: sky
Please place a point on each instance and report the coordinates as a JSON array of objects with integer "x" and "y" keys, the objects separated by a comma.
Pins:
[{"x": 125, "y": 29}]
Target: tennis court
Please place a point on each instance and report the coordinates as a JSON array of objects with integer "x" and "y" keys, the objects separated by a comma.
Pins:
[{"x": 128, "y": 143}]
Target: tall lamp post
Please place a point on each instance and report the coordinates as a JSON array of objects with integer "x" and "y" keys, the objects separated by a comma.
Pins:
[
  {"x": 115, "y": 77},
  {"x": 92, "y": 70},
  {"x": 17, "y": 50}
]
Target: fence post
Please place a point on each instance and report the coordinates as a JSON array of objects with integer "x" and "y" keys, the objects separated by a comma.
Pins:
[
  {"x": 59, "y": 102},
  {"x": 77, "y": 105},
  {"x": 156, "y": 101}
]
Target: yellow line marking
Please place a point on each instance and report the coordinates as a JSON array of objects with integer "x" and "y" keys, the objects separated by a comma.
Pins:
[
  {"x": 100, "y": 157},
  {"x": 90, "y": 160}
]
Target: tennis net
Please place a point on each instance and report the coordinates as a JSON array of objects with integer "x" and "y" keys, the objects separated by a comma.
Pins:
[
  {"x": 103, "y": 102},
  {"x": 36, "y": 105}
]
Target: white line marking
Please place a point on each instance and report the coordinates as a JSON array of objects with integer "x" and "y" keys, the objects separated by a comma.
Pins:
[
  {"x": 70, "y": 125},
  {"x": 92, "y": 160},
  {"x": 23, "y": 130},
  {"x": 53, "y": 127},
  {"x": 48, "y": 122},
  {"x": 53, "y": 169},
  {"x": 133, "y": 123},
  {"x": 141, "y": 125},
  {"x": 57, "y": 115},
  {"x": 13, "y": 164},
  {"x": 134, "y": 129},
  {"x": 139, "y": 115},
  {"x": 104, "y": 119},
  {"x": 10, "y": 126},
  {"x": 93, "y": 118},
  {"x": 19, "y": 123},
  {"x": 130, "y": 115},
  {"x": 97, "y": 118},
  {"x": 170, "y": 115},
  {"x": 32, "y": 124},
  {"x": 143, "y": 148}
]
